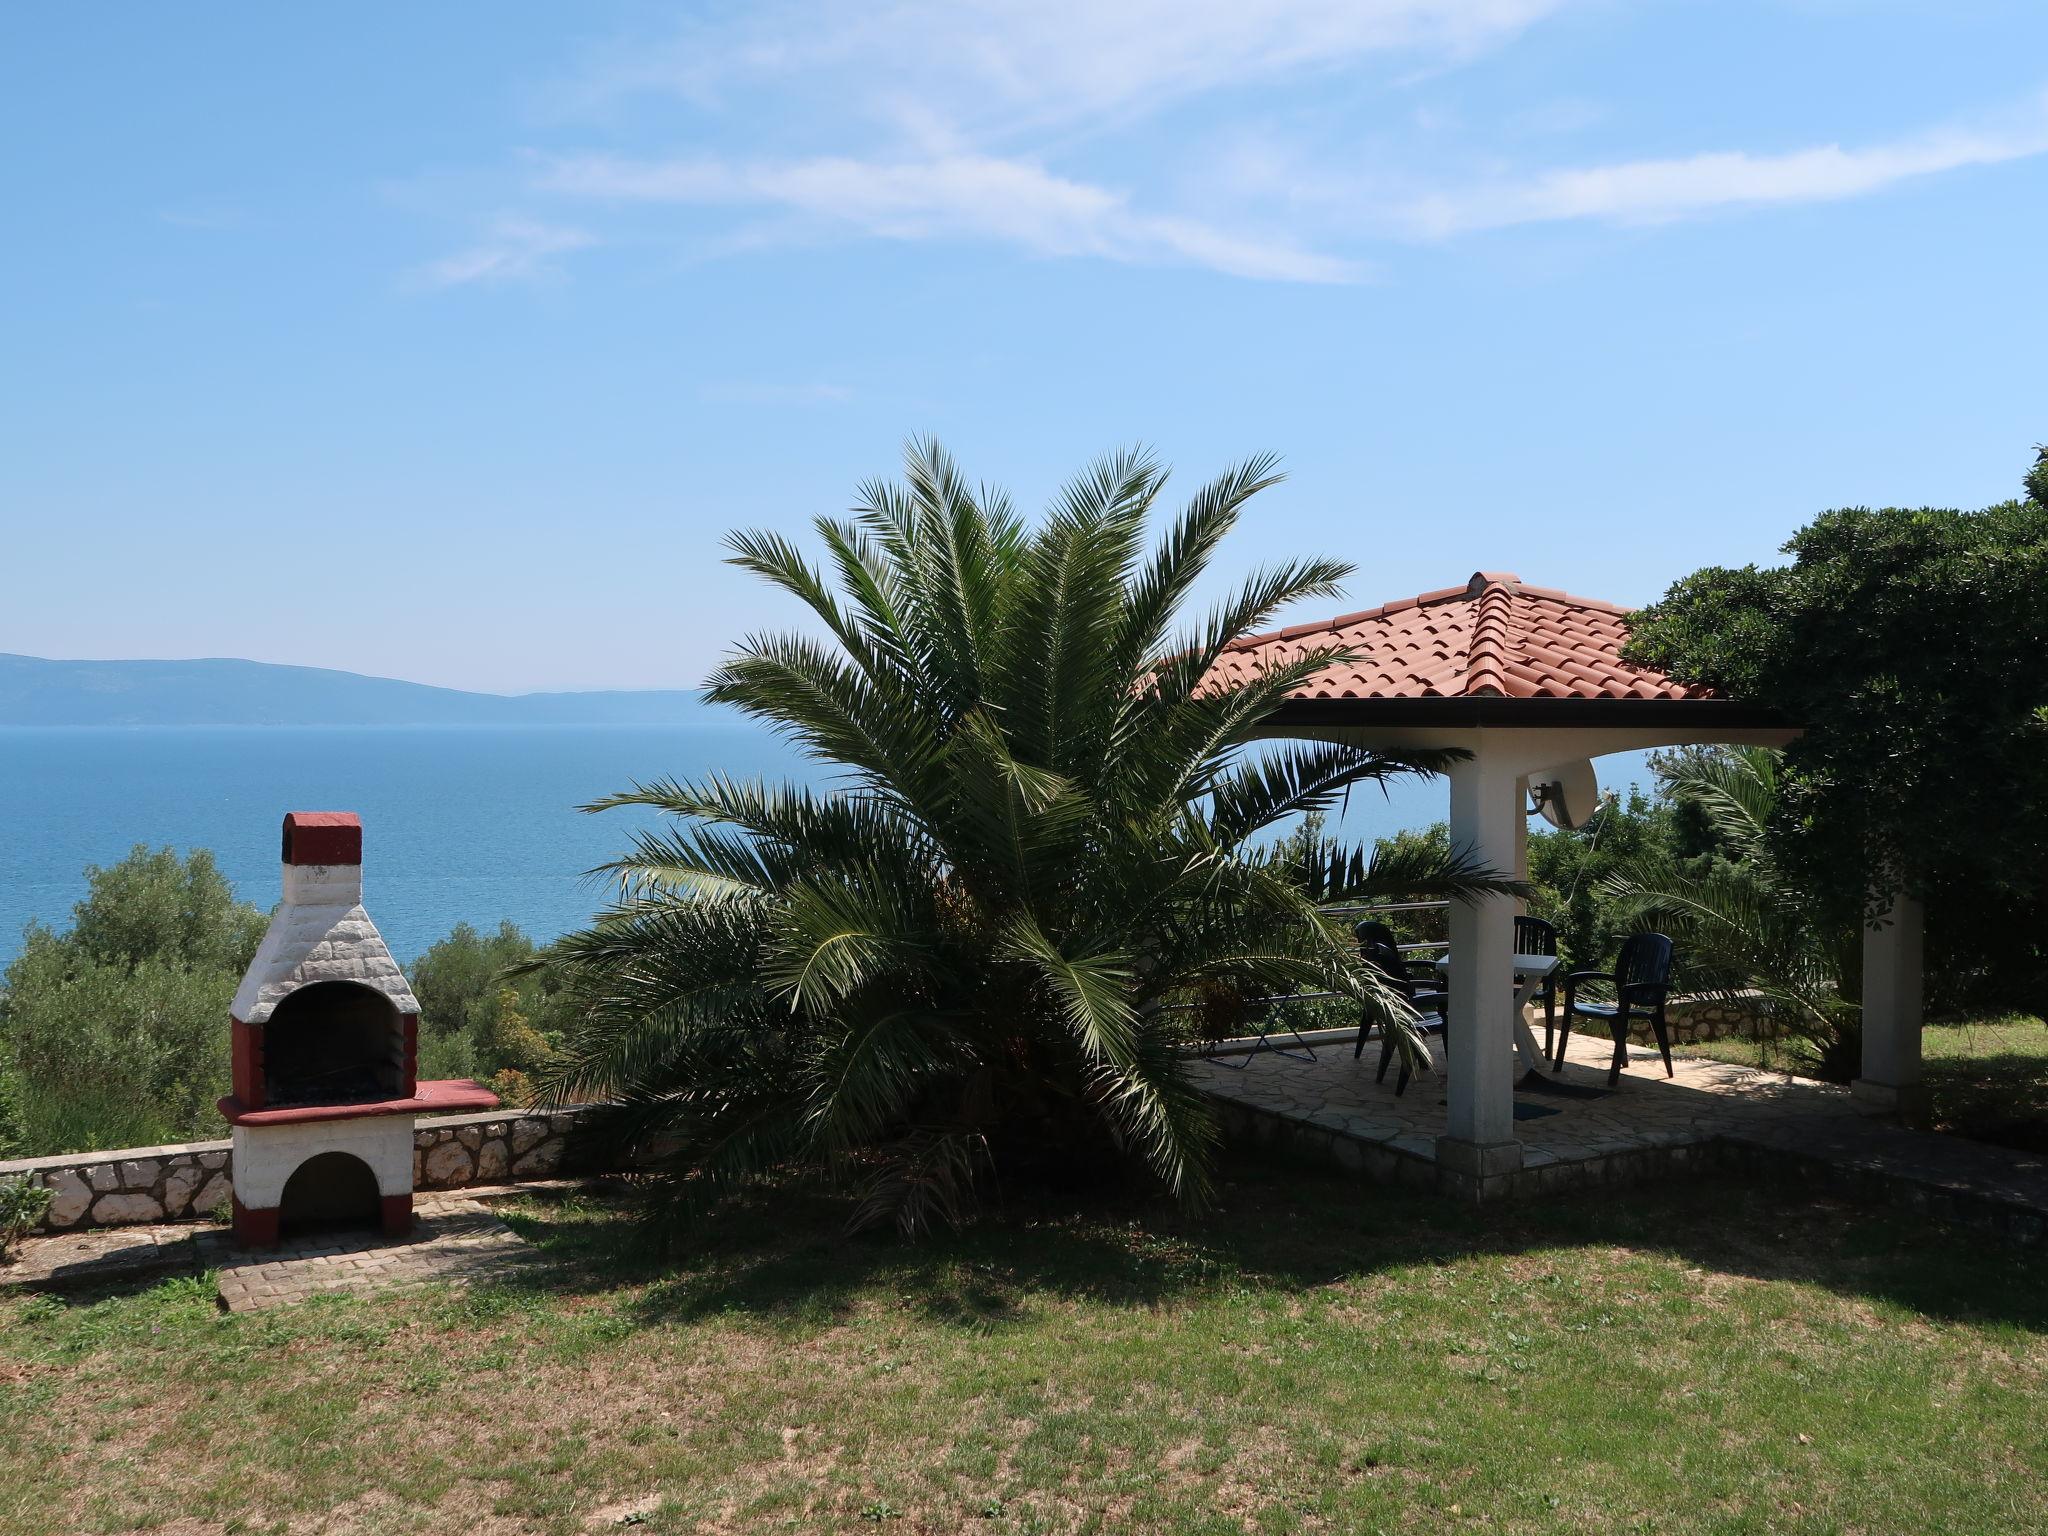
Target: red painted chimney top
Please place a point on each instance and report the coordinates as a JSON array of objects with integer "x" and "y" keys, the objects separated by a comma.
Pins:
[{"x": 323, "y": 837}]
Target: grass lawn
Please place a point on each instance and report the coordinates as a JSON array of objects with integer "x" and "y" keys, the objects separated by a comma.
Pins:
[
  {"x": 1313, "y": 1356},
  {"x": 1317, "y": 1355},
  {"x": 1986, "y": 1078}
]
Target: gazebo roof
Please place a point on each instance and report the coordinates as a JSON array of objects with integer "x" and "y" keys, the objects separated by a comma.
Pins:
[{"x": 1493, "y": 651}]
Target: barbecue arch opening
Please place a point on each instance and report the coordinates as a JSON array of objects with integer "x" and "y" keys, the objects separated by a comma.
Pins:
[
  {"x": 334, "y": 1042},
  {"x": 330, "y": 1191}
]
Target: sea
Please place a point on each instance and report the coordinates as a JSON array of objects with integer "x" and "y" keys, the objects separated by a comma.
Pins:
[{"x": 461, "y": 824}]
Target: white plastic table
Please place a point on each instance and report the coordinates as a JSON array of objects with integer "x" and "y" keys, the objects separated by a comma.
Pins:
[{"x": 1529, "y": 973}]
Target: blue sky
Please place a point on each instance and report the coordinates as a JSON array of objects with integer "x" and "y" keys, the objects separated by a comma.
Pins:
[{"x": 445, "y": 342}]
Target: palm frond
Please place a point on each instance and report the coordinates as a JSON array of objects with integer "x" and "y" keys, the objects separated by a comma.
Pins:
[
  {"x": 1299, "y": 777},
  {"x": 1047, "y": 836}
]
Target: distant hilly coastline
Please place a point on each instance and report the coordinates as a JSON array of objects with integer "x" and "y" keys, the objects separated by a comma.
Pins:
[{"x": 39, "y": 692}]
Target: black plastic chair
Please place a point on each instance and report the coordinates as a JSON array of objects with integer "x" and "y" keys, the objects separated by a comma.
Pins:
[
  {"x": 1415, "y": 980},
  {"x": 1533, "y": 936},
  {"x": 1641, "y": 980}
]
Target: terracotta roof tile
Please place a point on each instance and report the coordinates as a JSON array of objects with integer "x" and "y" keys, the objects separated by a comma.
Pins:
[{"x": 1491, "y": 636}]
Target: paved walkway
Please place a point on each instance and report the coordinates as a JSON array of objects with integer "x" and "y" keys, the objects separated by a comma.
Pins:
[
  {"x": 1944, "y": 1177},
  {"x": 1767, "y": 1123},
  {"x": 453, "y": 1242}
]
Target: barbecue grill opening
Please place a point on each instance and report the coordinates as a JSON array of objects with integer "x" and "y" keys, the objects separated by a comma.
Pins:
[
  {"x": 328, "y": 1191},
  {"x": 334, "y": 1042}
]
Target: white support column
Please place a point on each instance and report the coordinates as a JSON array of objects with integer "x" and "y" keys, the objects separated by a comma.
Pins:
[
  {"x": 1479, "y": 1148},
  {"x": 1522, "y": 838},
  {"x": 1892, "y": 982}
]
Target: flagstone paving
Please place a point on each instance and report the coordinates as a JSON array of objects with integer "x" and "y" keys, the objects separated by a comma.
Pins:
[
  {"x": 453, "y": 1242},
  {"x": 101, "y": 1255},
  {"x": 1647, "y": 1111},
  {"x": 1709, "y": 1112}
]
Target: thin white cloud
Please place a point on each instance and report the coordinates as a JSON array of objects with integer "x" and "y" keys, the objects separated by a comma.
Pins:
[
  {"x": 1038, "y": 62},
  {"x": 957, "y": 196},
  {"x": 515, "y": 250},
  {"x": 993, "y": 121},
  {"x": 1659, "y": 191}
]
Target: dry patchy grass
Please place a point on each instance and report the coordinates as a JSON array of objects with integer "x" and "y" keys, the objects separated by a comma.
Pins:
[{"x": 1314, "y": 1356}]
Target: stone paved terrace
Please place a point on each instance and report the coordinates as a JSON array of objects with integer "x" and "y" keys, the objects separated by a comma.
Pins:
[
  {"x": 1767, "y": 1124},
  {"x": 1333, "y": 1106}
]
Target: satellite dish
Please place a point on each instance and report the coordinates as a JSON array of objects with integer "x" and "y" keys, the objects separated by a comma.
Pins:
[{"x": 1566, "y": 796}]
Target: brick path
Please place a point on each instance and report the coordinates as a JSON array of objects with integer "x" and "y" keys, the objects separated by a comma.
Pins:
[{"x": 453, "y": 1242}]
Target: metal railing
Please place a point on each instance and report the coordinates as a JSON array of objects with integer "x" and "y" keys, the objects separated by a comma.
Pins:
[
  {"x": 1301, "y": 1050},
  {"x": 1359, "y": 908}
]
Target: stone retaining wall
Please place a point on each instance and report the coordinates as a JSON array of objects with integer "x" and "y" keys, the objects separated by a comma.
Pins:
[
  {"x": 1693, "y": 1019},
  {"x": 151, "y": 1184}
]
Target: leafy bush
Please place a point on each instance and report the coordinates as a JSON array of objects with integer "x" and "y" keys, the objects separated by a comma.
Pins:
[
  {"x": 155, "y": 906},
  {"x": 21, "y": 1206},
  {"x": 115, "y": 1033},
  {"x": 484, "y": 1010},
  {"x": 1907, "y": 641},
  {"x": 1742, "y": 923},
  {"x": 1569, "y": 870}
]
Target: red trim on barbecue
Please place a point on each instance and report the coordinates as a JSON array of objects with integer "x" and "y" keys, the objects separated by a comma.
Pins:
[
  {"x": 323, "y": 837},
  {"x": 409, "y": 1074},
  {"x": 255, "y": 1228},
  {"x": 248, "y": 1059},
  {"x": 442, "y": 1097}
]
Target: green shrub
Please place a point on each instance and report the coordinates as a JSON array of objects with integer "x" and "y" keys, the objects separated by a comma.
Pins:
[
  {"x": 477, "y": 1018},
  {"x": 155, "y": 906},
  {"x": 112, "y": 1055},
  {"x": 1568, "y": 871},
  {"x": 1906, "y": 641},
  {"x": 115, "y": 1033},
  {"x": 22, "y": 1205}
]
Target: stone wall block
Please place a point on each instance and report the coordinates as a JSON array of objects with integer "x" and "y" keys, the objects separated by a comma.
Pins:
[
  {"x": 493, "y": 1161},
  {"x": 112, "y": 1210},
  {"x": 180, "y": 1186},
  {"x": 212, "y": 1194},
  {"x": 448, "y": 1166},
  {"x": 191, "y": 1183},
  {"x": 70, "y": 1197},
  {"x": 541, "y": 1161}
]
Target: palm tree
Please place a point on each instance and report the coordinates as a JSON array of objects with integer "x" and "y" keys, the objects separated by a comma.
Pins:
[
  {"x": 1748, "y": 934},
  {"x": 983, "y": 947}
]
